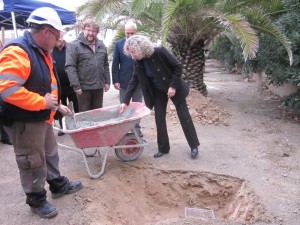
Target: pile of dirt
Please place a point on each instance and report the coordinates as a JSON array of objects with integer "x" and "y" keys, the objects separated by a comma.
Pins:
[{"x": 202, "y": 110}]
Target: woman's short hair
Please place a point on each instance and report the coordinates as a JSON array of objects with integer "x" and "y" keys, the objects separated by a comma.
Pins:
[{"x": 140, "y": 44}]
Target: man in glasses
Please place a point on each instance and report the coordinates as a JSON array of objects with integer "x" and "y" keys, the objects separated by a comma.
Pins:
[
  {"x": 122, "y": 68},
  {"x": 30, "y": 92},
  {"x": 87, "y": 67}
]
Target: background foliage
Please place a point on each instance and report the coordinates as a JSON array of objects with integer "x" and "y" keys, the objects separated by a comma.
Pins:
[{"x": 271, "y": 56}]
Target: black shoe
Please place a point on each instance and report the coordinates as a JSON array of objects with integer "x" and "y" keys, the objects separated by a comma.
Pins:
[
  {"x": 194, "y": 153},
  {"x": 139, "y": 132},
  {"x": 8, "y": 142},
  {"x": 71, "y": 188},
  {"x": 60, "y": 133},
  {"x": 46, "y": 210},
  {"x": 158, "y": 154}
]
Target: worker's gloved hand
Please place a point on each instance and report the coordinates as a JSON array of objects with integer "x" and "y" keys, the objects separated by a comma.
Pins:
[{"x": 122, "y": 108}]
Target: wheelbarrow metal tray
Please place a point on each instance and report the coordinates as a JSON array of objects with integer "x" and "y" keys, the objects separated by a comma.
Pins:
[{"x": 105, "y": 126}]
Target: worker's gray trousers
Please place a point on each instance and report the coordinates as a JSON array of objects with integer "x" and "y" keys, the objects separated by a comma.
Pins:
[{"x": 37, "y": 157}]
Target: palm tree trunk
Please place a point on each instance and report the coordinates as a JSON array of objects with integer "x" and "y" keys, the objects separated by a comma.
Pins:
[{"x": 193, "y": 62}]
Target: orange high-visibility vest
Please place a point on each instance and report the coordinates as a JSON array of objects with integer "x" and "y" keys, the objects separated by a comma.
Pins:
[{"x": 15, "y": 70}]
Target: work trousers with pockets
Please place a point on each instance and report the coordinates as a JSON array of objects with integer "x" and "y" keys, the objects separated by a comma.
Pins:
[
  {"x": 36, "y": 153},
  {"x": 160, "y": 107}
]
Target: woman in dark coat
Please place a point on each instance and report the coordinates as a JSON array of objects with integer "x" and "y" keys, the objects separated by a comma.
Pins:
[{"x": 159, "y": 74}]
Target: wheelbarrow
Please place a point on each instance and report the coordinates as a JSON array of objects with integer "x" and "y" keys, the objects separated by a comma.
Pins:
[{"x": 106, "y": 129}]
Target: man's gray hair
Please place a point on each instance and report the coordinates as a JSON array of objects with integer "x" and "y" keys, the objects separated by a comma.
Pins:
[
  {"x": 140, "y": 44},
  {"x": 130, "y": 24}
]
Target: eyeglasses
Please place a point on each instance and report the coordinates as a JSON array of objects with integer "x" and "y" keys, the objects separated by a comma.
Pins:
[
  {"x": 91, "y": 31},
  {"x": 130, "y": 33},
  {"x": 57, "y": 36}
]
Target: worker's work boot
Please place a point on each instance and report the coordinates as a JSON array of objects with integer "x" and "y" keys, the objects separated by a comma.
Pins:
[
  {"x": 70, "y": 188},
  {"x": 46, "y": 210}
]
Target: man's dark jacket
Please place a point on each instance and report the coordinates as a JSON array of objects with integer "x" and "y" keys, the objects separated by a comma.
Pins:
[
  {"x": 86, "y": 69},
  {"x": 122, "y": 65},
  {"x": 167, "y": 72}
]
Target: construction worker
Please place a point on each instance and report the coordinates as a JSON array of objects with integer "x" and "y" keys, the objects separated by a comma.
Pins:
[{"x": 30, "y": 93}]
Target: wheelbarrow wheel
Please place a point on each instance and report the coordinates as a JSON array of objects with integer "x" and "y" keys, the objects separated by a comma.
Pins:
[{"x": 129, "y": 154}]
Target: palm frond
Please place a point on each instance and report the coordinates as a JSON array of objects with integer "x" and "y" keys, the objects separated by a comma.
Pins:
[
  {"x": 246, "y": 35},
  {"x": 241, "y": 28},
  {"x": 262, "y": 23}
]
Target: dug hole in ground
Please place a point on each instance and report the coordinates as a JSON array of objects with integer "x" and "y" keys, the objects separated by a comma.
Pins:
[{"x": 247, "y": 171}]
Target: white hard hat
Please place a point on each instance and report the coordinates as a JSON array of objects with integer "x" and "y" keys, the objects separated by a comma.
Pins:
[{"x": 45, "y": 15}]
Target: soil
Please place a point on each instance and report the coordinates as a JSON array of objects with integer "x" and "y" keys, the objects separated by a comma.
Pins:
[{"x": 247, "y": 171}]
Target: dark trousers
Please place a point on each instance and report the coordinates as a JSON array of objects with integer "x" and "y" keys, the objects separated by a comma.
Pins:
[
  {"x": 67, "y": 96},
  {"x": 90, "y": 99},
  {"x": 160, "y": 107},
  {"x": 4, "y": 135}
]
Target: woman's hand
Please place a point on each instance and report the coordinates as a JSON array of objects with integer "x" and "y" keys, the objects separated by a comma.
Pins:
[
  {"x": 122, "y": 108},
  {"x": 171, "y": 92}
]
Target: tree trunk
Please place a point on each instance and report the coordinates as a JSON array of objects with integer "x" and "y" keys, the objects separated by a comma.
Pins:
[{"x": 193, "y": 62}]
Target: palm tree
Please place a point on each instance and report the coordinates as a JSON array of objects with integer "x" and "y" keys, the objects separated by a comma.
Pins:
[
  {"x": 113, "y": 14},
  {"x": 189, "y": 26}
]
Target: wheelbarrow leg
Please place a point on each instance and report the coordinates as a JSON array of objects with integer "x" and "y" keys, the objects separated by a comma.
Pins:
[{"x": 103, "y": 161}]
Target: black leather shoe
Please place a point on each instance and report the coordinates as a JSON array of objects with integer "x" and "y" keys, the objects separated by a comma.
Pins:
[
  {"x": 158, "y": 154},
  {"x": 71, "y": 188},
  {"x": 8, "y": 142},
  {"x": 46, "y": 210},
  {"x": 139, "y": 132},
  {"x": 60, "y": 133},
  {"x": 194, "y": 153}
]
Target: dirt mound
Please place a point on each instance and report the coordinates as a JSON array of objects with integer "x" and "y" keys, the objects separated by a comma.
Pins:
[{"x": 202, "y": 110}]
